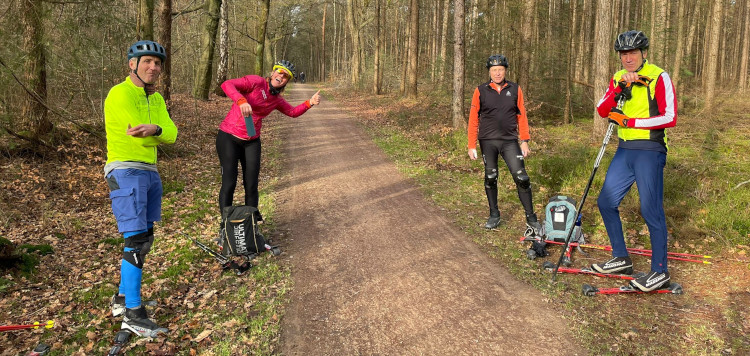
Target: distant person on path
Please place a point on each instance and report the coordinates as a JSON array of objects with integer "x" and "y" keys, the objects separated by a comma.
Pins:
[
  {"x": 136, "y": 121},
  {"x": 302, "y": 76},
  {"x": 238, "y": 139},
  {"x": 498, "y": 119},
  {"x": 650, "y": 106}
]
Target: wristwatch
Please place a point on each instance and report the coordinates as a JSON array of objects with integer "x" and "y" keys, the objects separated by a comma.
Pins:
[{"x": 158, "y": 131}]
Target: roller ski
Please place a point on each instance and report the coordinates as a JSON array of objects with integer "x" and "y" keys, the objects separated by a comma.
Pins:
[
  {"x": 226, "y": 262},
  {"x": 122, "y": 339},
  {"x": 589, "y": 290},
  {"x": 549, "y": 266}
]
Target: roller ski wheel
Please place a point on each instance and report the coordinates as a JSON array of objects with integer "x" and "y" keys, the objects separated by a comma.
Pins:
[
  {"x": 566, "y": 261},
  {"x": 273, "y": 250},
  {"x": 122, "y": 339},
  {"x": 589, "y": 290},
  {"x": 531, "y": 254}
]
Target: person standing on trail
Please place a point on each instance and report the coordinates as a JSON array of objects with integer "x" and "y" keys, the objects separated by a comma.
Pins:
[
  {"x": 498, "y": 119},
  {"x": 136, "y": 121},
  {"x": 641, "y": 100},
  {"x": 238, "y": 139}
]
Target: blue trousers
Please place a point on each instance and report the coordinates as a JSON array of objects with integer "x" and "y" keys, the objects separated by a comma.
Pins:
[{"x": 646, "y": 169}]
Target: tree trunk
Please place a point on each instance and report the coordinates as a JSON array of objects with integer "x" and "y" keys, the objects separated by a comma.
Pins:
[
  {"x": 443, "y": 39},
  {"x": 221, "y": 72},
  {"x": 571, "y": 60},
  {"x": 165, "y": 40},
  {"x": 745, "y": 51},
  {"x": 34, "y": 114},
  {"x": 679, "y": 45},
  {"x": 261, "y": 28},
  {"x": 458, "y": 65},
  {"x": 713, "y": 52},
  {"x": 145, "y": 20},
  {"x": 323, "y": 44},
  {"x": 377, "y": 74},
  {"x": 602, "y": 48},
  {"x": 411, "y": 88},
  {"x": 208, "y": 38},
  {"x": 658, "y": 32},
  {"x": 526, "y": 55},
  {"x": 351, "y": 20}
]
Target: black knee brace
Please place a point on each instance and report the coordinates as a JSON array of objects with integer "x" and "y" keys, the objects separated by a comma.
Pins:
[
  {"x": 490, "y": 178},
  {"x": 522, "y": 180},
  {"x": 141, "y": 245}
]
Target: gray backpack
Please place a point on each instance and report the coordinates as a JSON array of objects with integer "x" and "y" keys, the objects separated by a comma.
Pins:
[{"x": 560, "y": 217}]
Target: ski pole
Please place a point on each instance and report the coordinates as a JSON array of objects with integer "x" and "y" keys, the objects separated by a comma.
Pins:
[
  {"x": 36, "y": 325},
  {"x": 641, "y": 252},
  {"x": 599, "y": 156}
]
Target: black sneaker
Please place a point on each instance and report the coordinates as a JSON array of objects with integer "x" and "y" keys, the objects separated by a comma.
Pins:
[
  {"x": 138, "y": 323},
  {"x": 492, "y": 222},
  {"x": 258, "y": 218},
  {"x": 117, "y": 303},
  {"x": 616, "y": 265},
  {"x": 651, "y": 281}
]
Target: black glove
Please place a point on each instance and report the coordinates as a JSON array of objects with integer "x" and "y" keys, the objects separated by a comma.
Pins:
[{"x": 624, "y": 93}]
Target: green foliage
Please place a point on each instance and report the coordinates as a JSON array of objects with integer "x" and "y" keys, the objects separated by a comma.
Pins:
[{"x": 43, "y": 249}]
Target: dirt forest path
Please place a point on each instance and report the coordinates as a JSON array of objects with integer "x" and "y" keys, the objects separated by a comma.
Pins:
[{"x": 377, "y": 269}]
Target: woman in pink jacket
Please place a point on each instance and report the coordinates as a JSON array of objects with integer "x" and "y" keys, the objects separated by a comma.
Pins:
[{"x": 239, "y": 134}]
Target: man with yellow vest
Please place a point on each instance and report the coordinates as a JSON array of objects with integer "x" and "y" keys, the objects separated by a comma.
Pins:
[
  {"x": 641, "y": 100},
  {"x": 136, "y": 120}
]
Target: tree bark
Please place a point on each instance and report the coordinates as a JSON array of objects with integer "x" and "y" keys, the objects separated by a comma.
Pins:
[
  {"x": 145, "y": 20},
  {"x": 208, "y": 38},
  {"x": 261, "y": 28},
  {"x": 221, "y": 72},
  {"x": 745, "y": 51},
  {"x": 323, "y": 44},
  {"x": 602, "y": 47},
  {"x": 571, "y": 59},
  {"x": 458, "y": 65},
  {"x": 675, "y": 73},
  {"x": 377, "y": 74},
  {"x": 443, "y": 39},
  {"x": 713, "y": 53},
  {"x": 527, "y": 54},
  {"x": 353, "y": 23},
  {"x": 411, "y": 87},
  {"x": 34, "y": 114},
  {"x": 165, "y": 39},
  {"x": 658, "y": 32}
]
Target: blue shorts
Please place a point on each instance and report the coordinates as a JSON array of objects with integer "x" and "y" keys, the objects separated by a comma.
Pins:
[{"x": 136, "y": 198}]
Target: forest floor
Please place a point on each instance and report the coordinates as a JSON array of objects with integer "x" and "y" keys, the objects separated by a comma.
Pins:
[{"x": 384, "y": 252}]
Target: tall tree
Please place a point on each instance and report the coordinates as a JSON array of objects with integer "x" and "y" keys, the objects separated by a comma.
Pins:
[
  {"x": 570, "y": 67},
  {"x": 145, "y": 21},
  {"x": 379, "y": 38},
  {"x": 323, "y": 43},
  {"x": 713, "y": 52},
  {"x": 221, "y": 72},
  {"x": 659, "y": 31},
  {"x": 458, "y": 64},
  {"x": 745, "y": 50},
  {"x": 261, "y": 27},
  {"x": 526, "y": 54},
  {"x": 34, "y": 113},
  {"x": 354, "y": 31},
  {"x": 602, "y": 48},
  {"x": 443, "y": 39},
  {"x": 411, "y": 87},
  {"x": 165, "y": 39},
  {"x": 204, "y": 70}
]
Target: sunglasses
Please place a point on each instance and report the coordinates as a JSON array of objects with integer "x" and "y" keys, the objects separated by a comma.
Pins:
[{"x": 282, "y": 73}]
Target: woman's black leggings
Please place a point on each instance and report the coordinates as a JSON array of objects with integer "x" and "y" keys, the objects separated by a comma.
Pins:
[
  {"x": 511, "y": 153},
  {"x": 232, "y": 149}
]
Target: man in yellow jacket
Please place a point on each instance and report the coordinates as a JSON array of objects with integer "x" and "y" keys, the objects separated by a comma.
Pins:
[
  {"x": 136, "y": 120},
  {"x": 641, "y": 100}
]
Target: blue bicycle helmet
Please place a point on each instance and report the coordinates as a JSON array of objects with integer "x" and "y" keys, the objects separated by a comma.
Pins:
[{"x": 147, "y": 48}]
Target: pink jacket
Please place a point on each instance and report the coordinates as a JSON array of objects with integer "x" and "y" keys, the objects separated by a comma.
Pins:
[{"x": 253, "y": 89}]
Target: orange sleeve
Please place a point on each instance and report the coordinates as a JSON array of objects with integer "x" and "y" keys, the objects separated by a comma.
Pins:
[
  {"x": 523, "y": 122},
  {"x": 474, "y": 120}
]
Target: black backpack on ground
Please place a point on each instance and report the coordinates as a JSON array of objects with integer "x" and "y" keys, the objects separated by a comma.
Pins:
[{"x": 239, "y": 232}]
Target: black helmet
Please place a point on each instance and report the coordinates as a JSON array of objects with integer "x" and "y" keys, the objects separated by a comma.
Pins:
[
  {"x": 286, "y": 66},
  {"x": 147, "y": 48},
  {"x": 497, "y": 60},
  {"x": 629, "y": 40}
]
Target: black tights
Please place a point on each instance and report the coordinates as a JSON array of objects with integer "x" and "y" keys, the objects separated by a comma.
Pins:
[
  {"x": 511, "y": 153},
  {"x": 230, "y": 150}
]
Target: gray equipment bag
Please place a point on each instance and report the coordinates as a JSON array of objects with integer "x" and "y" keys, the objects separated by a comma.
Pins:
[{"x": 560, "y": 217}]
